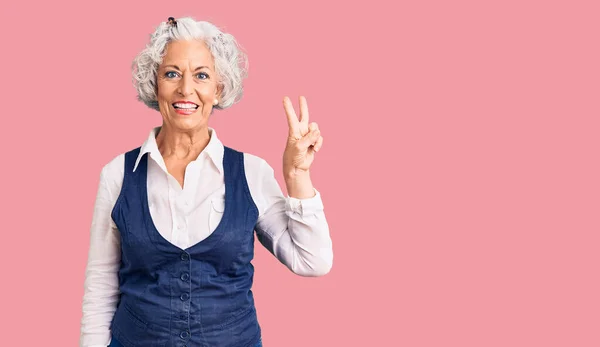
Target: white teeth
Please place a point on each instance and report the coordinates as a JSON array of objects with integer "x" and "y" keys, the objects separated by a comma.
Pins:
[{"x": 188, "y": 106}]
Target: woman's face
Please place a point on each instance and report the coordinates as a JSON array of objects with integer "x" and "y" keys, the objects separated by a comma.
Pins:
[{"x": 187, "y": 74}]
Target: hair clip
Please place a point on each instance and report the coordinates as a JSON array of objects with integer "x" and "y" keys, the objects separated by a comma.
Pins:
[{"x": 172, "y": 21}]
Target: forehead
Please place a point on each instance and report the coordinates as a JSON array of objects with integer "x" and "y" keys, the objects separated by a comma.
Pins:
[{"x": 184, "y": 52}]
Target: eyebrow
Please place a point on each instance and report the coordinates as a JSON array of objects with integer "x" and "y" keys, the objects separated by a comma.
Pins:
[{"x": 198, "y": 68}]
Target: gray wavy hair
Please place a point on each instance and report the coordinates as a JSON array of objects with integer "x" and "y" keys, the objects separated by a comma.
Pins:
[{"x": 231, "y": 63}]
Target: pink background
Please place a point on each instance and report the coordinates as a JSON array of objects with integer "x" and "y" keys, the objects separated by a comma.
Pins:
[{"x": 459, "y": 171}]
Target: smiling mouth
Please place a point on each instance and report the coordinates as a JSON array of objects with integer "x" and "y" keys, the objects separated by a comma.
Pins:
[{"x": 185, "y": 106}]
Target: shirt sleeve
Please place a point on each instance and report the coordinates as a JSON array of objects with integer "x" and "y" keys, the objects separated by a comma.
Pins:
[
  {"x": 294, "y": 230},
  {"x": 101, "y": 285}
]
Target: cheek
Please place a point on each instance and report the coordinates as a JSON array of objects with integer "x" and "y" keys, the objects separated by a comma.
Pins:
[
  {"x": 206, "y": 95},
  {"x": 164, "y": 91}
]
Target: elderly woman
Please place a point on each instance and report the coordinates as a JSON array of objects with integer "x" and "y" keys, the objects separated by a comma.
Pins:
[{"x": 172, "y": 235}]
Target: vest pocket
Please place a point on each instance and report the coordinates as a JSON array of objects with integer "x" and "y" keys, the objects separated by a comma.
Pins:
[
  {"x": 216, "y": 212},
  {"x": 140, "y": 323},
  {"x": 236, "y": 318},
  {"x": 240, "y": 329},
  {"x": 131, "y": 328}
]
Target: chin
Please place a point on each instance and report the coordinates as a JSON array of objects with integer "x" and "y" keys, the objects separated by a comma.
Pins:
[{"x": 188, "y": 123}]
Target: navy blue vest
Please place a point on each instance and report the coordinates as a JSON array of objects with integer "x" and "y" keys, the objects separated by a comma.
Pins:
[{"x": 200, "y": 296}]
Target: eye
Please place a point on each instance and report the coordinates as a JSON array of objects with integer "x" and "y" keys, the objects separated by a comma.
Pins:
[
  {"x": 171, "y": 74},
  {"x": 202, "y": 76}
]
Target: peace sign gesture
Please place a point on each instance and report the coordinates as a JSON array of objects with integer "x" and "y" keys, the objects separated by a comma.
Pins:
[{"x": 304, "y": 139}]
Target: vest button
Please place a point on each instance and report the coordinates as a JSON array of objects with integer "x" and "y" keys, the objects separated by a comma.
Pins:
[
  {"x": 184, "y": 334},
  {"x": 185, "y": 256},
  {"x": 185, "y": 296},
  {"x": 185, "y": 276}
]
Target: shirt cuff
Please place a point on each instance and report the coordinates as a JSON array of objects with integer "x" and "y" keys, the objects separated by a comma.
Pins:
[{"x": 306, "y": 206}]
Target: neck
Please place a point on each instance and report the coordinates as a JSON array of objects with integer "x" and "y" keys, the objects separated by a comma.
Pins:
[{"x": 182, "y": 145}]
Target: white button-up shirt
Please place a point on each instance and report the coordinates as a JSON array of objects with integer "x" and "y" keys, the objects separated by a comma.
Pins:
[{"x": 294, "y": 230}]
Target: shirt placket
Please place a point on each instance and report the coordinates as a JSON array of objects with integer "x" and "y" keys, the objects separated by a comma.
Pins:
[{"x": 179, "y": 226}]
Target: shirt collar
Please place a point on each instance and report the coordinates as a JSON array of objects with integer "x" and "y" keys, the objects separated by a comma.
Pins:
[{"x": 214, "y": 149}]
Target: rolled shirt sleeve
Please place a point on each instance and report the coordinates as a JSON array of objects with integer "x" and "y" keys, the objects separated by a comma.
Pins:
[{"x": 294, "y": 230}]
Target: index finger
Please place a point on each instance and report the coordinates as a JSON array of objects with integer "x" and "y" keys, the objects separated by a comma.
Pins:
[{"x": 291, "y": 116}]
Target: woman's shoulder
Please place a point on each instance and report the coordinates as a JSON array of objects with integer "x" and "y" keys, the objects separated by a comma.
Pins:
[
  {"x": 113, "y": 172},
  {"x": 256, "y": 164},
  {"x": 260, "y": 179},
  {"x": 115, "y": 167}
]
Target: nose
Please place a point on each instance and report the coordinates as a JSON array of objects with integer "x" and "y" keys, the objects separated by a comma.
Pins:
[{"x": 185, "y": 87}]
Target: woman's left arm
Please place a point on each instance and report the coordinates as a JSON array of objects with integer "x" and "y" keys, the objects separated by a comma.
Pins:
[{"x": 294, "y": 229}]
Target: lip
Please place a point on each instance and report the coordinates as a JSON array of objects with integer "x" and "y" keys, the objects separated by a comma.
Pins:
[{"x": 185, "y": 112}]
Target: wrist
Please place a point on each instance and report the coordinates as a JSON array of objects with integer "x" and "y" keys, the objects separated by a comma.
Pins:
[
  {"x": 299, "y": 185},
  {"x": 296, "y": 174}
]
